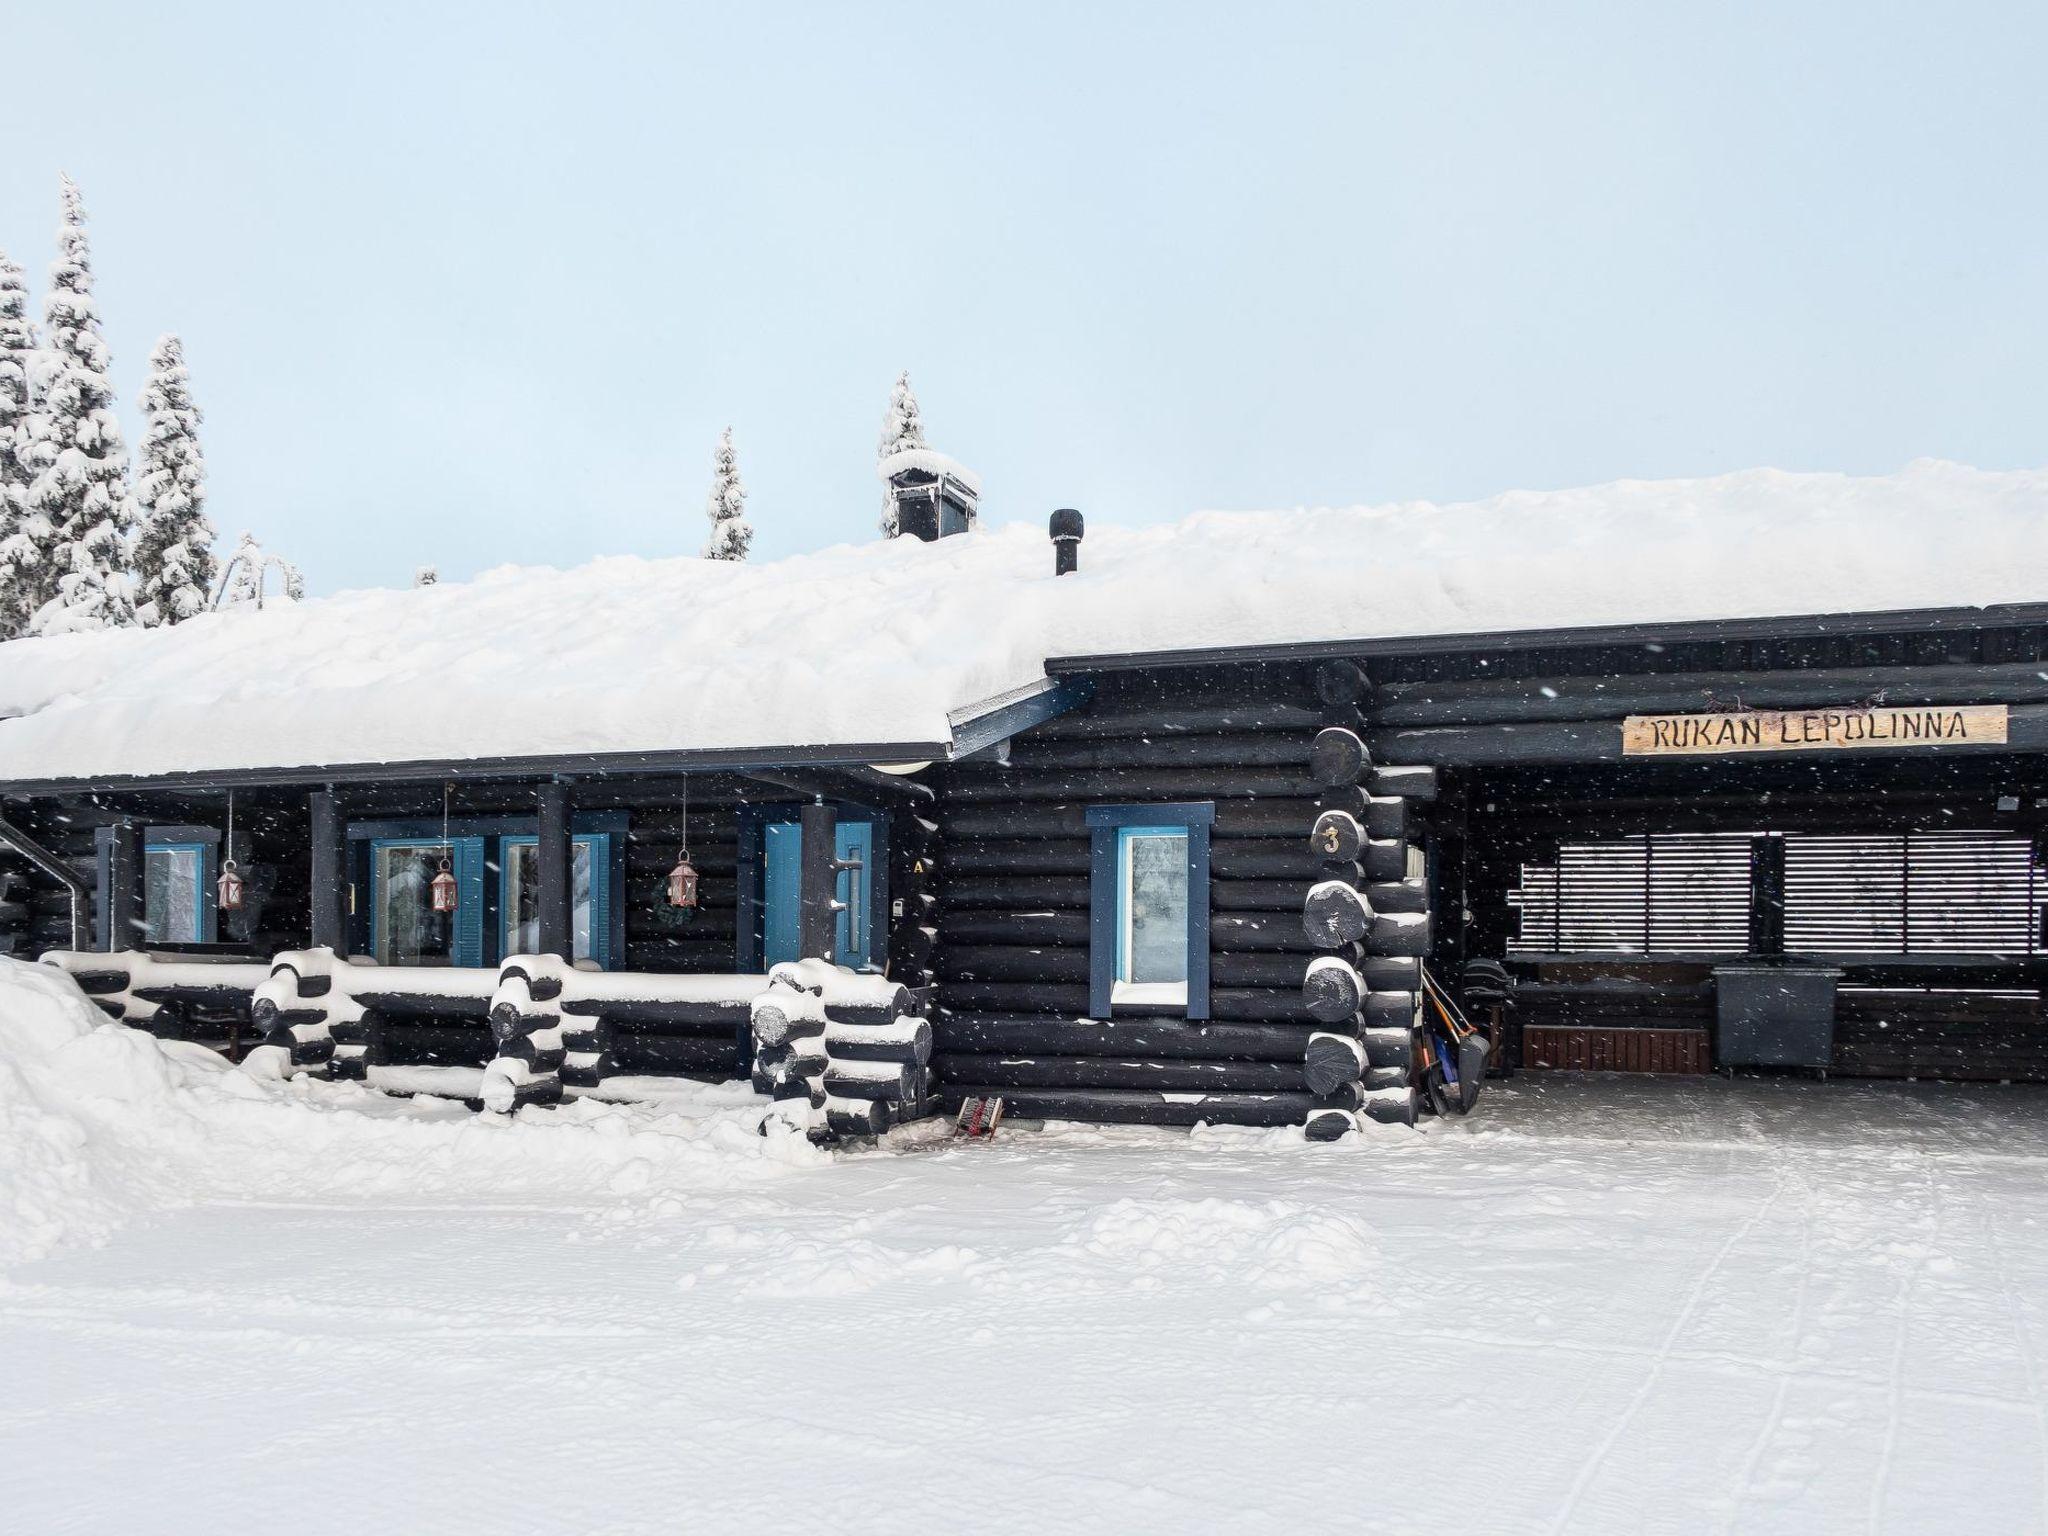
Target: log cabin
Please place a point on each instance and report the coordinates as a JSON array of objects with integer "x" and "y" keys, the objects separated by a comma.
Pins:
[{"x": 1292, "y": 819}]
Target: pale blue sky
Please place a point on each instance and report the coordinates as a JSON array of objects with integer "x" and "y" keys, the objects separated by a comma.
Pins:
[{"x": 468, "y": 284}]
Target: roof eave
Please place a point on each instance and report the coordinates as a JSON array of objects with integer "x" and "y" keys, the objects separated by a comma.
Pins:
[
  {"x": 557, "y": 766},
  {"x": 1890, "y": 621}
]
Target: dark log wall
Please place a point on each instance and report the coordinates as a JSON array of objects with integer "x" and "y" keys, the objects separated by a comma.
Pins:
[
  {"x": 35, "y": 911},
  {"x": 657, "y": 937},
  {"x": 1013, "y": 905}
]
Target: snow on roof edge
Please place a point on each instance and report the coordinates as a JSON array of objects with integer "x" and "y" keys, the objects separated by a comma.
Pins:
[{"x": 883, "y": 641}]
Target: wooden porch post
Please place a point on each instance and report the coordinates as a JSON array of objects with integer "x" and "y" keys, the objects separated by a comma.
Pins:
[
  {"x": 557, "y": 930},
  {"x": 330, "y": 873},
  {"x": 818, "y": 904},
  {"x": 126, "y": 912}
]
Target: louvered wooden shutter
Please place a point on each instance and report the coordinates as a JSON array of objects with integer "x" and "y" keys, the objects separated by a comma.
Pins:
[
  {"x": 600, "y": 845},
  {"x": 469, "y": 909}
]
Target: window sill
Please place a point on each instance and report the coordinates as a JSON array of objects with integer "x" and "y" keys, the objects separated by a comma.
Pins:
[{"x": 1149, "y": 994}]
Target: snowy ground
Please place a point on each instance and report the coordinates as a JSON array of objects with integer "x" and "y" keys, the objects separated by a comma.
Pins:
[{"x": 1606, "y": 1306}]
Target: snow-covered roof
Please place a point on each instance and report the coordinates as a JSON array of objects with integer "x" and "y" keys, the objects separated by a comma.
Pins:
[{"x": 880, "y": 643}]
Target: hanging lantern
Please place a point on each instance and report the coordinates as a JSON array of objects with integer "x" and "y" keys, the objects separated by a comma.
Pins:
[
  {"x": 682, "y": 884},
  {"x": 444, "y": 890},
  {"x": 231, "y": 886}
]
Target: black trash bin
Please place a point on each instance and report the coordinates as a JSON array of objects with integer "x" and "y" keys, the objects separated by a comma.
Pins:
[{"x": 1775, "y": 1015}]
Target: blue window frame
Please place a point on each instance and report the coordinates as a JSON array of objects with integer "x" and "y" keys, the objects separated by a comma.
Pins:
[
  {"x": 390, "y": 922},
  {"x": 178, "y": 892},
  {"x": 1148, "y": 928},
  {"x": 590, "y": 902},
  {"x": 404, "y": 930},
  {"x": 179, "y": 868}
]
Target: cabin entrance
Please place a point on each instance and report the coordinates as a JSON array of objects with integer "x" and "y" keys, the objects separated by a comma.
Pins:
[
  {"x": 781, "y": 883},
  {"x": 1874, "y": 917}
]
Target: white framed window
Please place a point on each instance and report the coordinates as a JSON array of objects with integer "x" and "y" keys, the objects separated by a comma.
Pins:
[
  {"x": 1152, "y": 879},
  {"x": 1149, "y": 898}
]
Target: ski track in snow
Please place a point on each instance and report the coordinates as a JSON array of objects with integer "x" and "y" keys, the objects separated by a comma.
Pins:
[
  {"x": 1602, "y": 1306},
  {"x": 1662, "y": 1358}
]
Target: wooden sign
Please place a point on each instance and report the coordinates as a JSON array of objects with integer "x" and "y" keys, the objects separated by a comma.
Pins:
[{"x": 1815, "y": 730}]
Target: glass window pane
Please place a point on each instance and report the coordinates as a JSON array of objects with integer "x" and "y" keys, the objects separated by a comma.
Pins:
[
  {"x": 522, "y": 898},
  {"x": 171, "y": 899},
  {"x": 409, "y": 931},
  {"x": 1155, "y": 895},
  {"x": 581, "y": 886}
]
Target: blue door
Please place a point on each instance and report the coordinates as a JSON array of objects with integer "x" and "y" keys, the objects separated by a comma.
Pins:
[{"x": 781, "y": 880}]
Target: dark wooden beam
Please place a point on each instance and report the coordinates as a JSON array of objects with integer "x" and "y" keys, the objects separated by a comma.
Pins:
[
  {"x": 329, "y": 878},
  {"x": 556, "y": 857},
  {"x": 437, "y": 771},
  {"x": 125, "y": 910},
  {"x": 818, "y": 882},
  {"x": 1599, "y": 741},
  {"x": 852, "y": 782},
  {"x": 1498, "y": 701}
]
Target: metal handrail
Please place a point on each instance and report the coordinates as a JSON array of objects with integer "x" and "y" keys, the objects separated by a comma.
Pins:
[{"x": 62, "y": 873}]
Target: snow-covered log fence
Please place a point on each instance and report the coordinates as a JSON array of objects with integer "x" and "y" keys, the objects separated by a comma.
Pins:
[
  {"x": 842, "y": 1054},
  {"x": 968, "y": 1037},
  {"x": 160, "y": 992},
  {"x": 320, "y": 1012},
  {"x": 557, "y": 1026},
  {"x": 1367, "y": 917}
]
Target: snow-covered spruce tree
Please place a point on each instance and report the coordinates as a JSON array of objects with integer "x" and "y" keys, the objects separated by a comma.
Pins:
[
  {"x": 81, "y": 470},
  {"x": 731, "y": 534},
  {"x": 902, "y": 428},
  {"x": 175, "y": 568},
  {"x": 20, "y": 541}
]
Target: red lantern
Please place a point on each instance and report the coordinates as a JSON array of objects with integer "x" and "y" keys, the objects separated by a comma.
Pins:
[
  {"x": 444, "y": 890},
  {"x": 682, "y": 884},
  {"x": 231, "y": 886}
]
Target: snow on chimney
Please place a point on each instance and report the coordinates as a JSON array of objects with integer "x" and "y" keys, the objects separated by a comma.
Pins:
[{"x": 934, "y": 495}]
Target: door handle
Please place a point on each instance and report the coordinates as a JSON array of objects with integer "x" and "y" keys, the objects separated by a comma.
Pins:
[{"x": 852, "y": 868}]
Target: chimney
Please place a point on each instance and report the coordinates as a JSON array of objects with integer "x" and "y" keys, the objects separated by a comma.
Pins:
[
  {"x": 1066, "y": 541},
  {"x": 934, "y": 495}
]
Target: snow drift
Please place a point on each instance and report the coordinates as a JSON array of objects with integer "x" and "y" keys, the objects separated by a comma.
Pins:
[
  {"x": 100, "y": 1123},
  {"x": 877, "y": 644}
]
